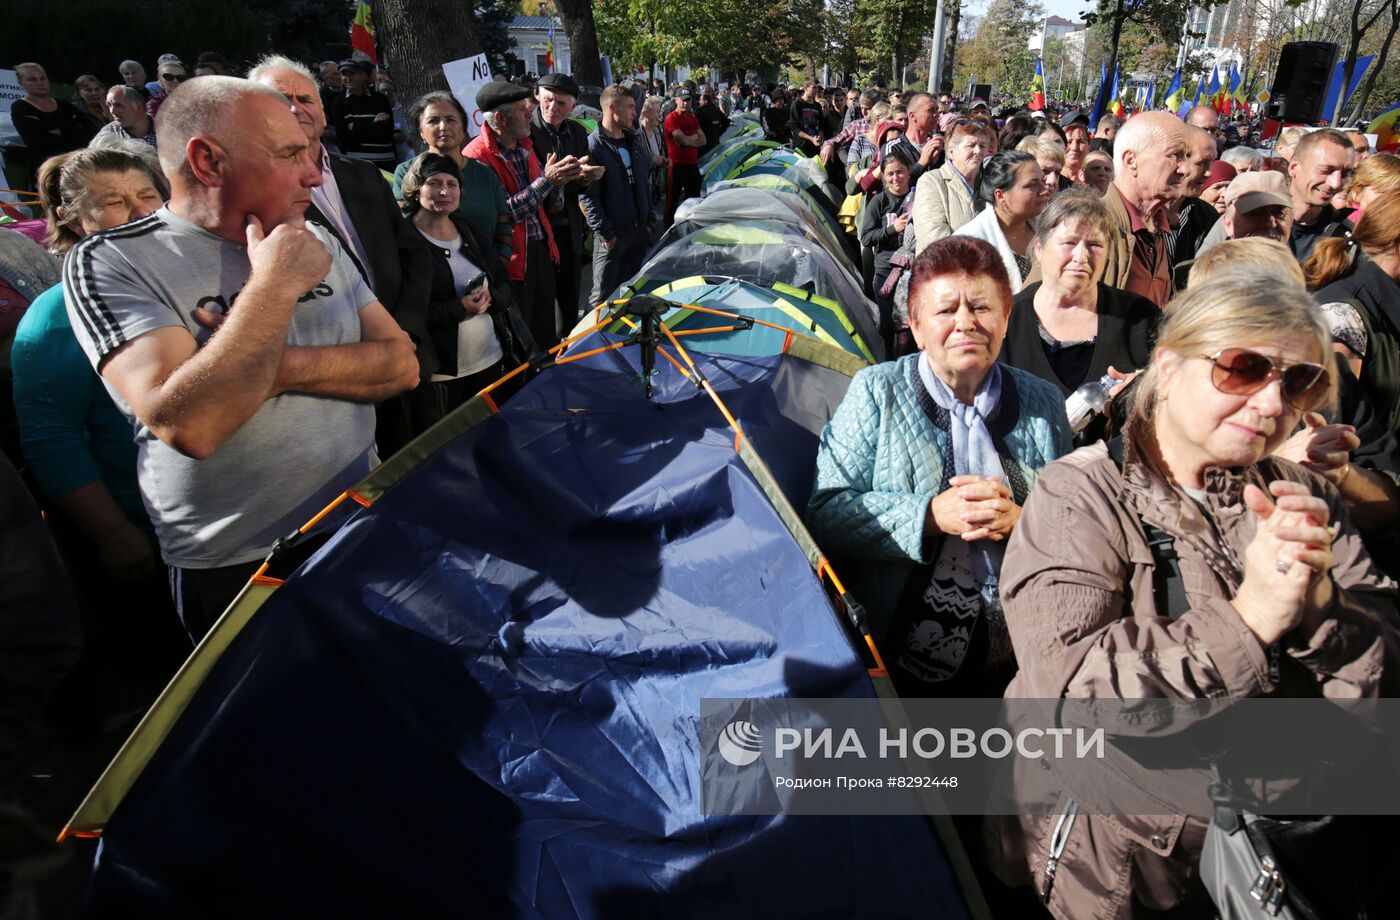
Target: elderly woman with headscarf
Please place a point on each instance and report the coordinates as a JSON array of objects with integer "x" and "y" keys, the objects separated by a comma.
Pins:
[
  {"x": 922, "y": 472},
  {"x": 1275, "y": 593}
]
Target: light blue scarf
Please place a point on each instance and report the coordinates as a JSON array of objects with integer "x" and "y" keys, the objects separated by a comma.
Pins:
[{"x": 974, "y": 454}]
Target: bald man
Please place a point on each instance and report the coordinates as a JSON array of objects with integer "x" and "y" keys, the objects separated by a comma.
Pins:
[
  {"x": 1205, "y": 118},
  {"x": 1151, "y": 157},
  {"x": 241, "y": 342},
  {"x": 1191, "y": 218}
]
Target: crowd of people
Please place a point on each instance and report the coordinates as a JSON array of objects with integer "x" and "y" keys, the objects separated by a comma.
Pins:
[{"x": 235, "y": 314}]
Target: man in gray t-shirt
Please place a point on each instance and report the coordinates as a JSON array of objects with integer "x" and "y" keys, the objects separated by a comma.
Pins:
[{"x": 242, "y": 343}]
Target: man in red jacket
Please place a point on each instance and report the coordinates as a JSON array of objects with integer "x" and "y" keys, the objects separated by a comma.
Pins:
[{"x": 504, "y": 145}]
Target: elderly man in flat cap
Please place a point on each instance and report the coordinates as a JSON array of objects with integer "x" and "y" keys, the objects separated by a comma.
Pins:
[
  {"x": 533, "y": 192},
  {"x": 553, "y": 131}
]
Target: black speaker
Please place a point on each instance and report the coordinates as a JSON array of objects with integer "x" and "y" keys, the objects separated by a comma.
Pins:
[
  {"x": 1300, "y": 83},
  {"x": 982, "y": 91}
]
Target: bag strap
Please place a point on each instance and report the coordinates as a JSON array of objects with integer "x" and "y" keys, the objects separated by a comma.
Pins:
[{"x": 1168, "y": 590}]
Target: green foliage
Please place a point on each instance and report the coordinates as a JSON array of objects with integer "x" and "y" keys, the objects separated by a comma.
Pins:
[
  {"x": 300, "y": 29},
  {"x": 890, "y": 29},
  {"x": 731, "y": 34},
  {"x": 493, "y": 30},
  {"x": 998, "y": 52}
]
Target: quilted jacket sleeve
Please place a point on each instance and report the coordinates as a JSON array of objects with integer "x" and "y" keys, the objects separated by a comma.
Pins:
[{"x": 849, "y": 512}]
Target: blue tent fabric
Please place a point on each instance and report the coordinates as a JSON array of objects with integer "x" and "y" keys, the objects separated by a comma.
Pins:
[
  {"x": 754, "y": 301},
  {"x": 481, "y": 696}
]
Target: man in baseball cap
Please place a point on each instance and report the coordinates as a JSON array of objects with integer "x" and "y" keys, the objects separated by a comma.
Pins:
[
  {"x": 1258, "y": 204},
  {"x": 363, "y": 118}
]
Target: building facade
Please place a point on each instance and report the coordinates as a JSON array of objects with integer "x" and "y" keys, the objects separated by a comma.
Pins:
[
  {"x": 1048, "y": 28},
  {"x": 530, "y": 39}
]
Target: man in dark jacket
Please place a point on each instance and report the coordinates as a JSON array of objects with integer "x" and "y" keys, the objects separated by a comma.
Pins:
[
  {"x": 713, "y": 121},
  {"x": 553, "y": 131},
  {"x": 364, "y": 119},
  {"x": 618, "y": 206}
]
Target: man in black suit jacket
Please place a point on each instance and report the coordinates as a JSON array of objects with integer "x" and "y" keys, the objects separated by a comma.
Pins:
[
  {"x": 356, "y": 204},
  {"x": 553, "y": 131}
]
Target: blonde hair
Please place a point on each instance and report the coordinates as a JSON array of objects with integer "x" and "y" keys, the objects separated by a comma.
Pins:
[
  {"x": 1242, "y": 306},
  {"x": 1380, "y": 172},
  {"x": 1042, "y": 149},
  {"x": 1248, "y": 252},
  {"x": 1377, "y": 231},
  {"x": 878, "y": 111}
]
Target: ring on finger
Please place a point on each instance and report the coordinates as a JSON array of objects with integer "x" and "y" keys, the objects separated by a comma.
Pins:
[{"x": 1282, "y": 566}]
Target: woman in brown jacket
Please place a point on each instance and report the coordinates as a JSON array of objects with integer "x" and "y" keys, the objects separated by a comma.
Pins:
[{"x": 1277, "y": 606}]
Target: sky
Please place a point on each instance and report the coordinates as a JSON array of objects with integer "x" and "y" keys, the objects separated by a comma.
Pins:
[{"x": 1065, "y": 9}]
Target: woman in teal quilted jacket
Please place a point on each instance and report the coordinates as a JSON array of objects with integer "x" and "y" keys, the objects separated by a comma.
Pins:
[{"x": 922, "y": 472}]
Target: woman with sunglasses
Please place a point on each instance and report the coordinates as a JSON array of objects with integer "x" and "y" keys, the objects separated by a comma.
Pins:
[{"x": 1281, "y": 598}]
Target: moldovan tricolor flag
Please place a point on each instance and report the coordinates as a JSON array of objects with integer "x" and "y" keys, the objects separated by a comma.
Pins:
[
  {"x": 1038, "y": 87},
  {"x": 549, "y": 50},
  {"x": 1216, "y": 91},
  {"x": 1237, "y": 102},
  {"x": 1176, "y": 93},
  {"x": 362, "y": 32},
  {"x": 1115, "y": 101}
]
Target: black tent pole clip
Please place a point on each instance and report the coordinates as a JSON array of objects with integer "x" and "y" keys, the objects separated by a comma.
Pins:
[{"x": 648, "y": 310}]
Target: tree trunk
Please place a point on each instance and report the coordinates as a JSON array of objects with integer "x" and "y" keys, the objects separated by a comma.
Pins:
[
  {"x": 419, "y": 36},
  {"x": 583, "y": 47},
  {"x": 950, "y": 43},
  {"x": 1358, "y": 30}
]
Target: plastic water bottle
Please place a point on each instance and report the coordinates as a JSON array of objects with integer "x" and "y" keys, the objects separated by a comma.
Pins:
[{"x": 1088, "y": 401}]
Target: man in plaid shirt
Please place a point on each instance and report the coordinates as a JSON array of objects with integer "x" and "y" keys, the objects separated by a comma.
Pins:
[
  {"x": 861, "y": 125},
  {"x": 504, "y": 145}
]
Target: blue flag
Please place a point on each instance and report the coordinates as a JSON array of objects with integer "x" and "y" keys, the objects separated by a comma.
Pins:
[
  {"x": 1334, "y": 86},
  {"x": 1101, "y": 100}
]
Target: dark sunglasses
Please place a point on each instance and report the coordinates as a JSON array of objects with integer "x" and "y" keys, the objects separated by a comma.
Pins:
[
  {"x": 1241, "y": 372},
  {"x": 175, "y": 77}
]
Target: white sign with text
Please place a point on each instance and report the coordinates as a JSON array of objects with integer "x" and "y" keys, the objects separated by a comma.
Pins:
[
  {"x": 9, "y": 92},
  {"x": 465, "y": 78}
]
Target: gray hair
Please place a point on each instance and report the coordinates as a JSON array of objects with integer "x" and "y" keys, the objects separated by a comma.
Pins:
[
  {"x": 1243, "y": 156},
  {"x": 202, "y": 107},
  {"x": 271, "y": 62},
  {"x": 131, "y": 93},
  {"x": 1042, "y": 149},
  {"x": 131, "y": 65},
  {"x": 1076, "y": 205}
]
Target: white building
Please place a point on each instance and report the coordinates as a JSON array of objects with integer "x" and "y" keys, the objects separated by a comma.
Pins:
[
  {"x": 529, "y": 37},
  {"x": 1048, "y": 28}
]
